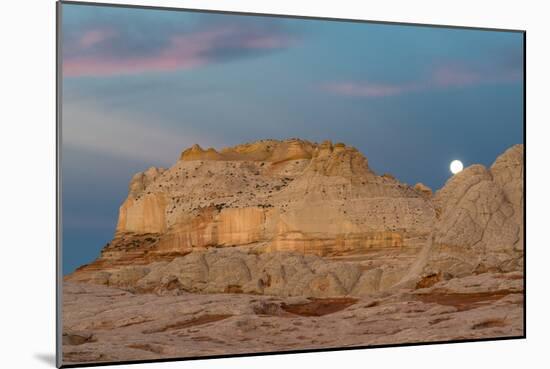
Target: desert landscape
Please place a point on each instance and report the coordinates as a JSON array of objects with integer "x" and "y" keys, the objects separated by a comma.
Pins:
[{"x": 279, "y": 245}]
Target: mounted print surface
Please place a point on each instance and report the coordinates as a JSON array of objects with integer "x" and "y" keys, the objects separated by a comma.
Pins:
[{"x": 241, "y": 184}]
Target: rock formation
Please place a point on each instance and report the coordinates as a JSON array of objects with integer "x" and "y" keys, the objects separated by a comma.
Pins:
[
  {"x": 295, "y": 195},
  {"x": 480, "y": 219},
  {"x": 104, "y": 324},
  {"x": 296, "y": 218},
  {"x": 285, "y": 245}
]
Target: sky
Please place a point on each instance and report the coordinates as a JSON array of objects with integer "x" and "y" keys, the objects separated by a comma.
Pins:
[{"x": 141, "y": 85}]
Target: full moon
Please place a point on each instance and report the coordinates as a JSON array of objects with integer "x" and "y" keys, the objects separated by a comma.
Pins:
[{"x": 456, "y": 166}]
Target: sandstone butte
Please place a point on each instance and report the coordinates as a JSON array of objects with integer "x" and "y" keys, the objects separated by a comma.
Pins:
[{"x": 297, "y": 218}]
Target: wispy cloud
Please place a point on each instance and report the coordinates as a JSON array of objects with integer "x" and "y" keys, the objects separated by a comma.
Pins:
[
  {"x": 442, "y": 76},
  {"x": 366, "y": 89},
  {"x": 462, "y": 75},
  {"x": 455, "y": 76},
  {"x": 91, "y": 127},
  {"x": 105, "y": 50},
  {"x": 94, "y": 36}
]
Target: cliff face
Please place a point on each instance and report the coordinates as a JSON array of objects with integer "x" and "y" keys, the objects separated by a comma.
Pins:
[
  {"x": 480, "y": 218},
  {"x": 291, "y": 195},
  {"x": 297, "y": 197}
]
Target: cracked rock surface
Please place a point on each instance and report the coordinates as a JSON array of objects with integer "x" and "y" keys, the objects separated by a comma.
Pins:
[
  {"x": 286, "y": 245},
  {"x": 108, "y": 324}
]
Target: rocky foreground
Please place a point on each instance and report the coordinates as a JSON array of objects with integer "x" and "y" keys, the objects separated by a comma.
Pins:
[
  {"x": 108, "y": 324},
  {"x": 288, "y": 245}
]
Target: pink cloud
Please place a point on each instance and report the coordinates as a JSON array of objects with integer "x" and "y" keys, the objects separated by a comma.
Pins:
[
  {"x": 268, "y": 42},
  {"x": 456, "y": 76},
  {"x": 442, "y": 77},
  {"x": 98, "y": 66},
  {"x": 184, "y": 51},
  {"x": 365, "y": 89},
  {"x": 95, "y": 36}
]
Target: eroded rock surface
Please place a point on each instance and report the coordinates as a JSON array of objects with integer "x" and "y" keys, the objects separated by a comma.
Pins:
[
  {"x": 234, "y": 270},
  {"x": 129, "y": 326},
  {"x": 292, "y": 195},
  {"x": 296, "y": 199},
  {"x": 480, "y": 219},
  {"x": 285, "y": 245}
]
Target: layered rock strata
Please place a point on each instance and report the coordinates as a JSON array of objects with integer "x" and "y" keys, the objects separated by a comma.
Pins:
[
  {"x": 299, "y": 218},
  {"x": 104, "y": 324}
]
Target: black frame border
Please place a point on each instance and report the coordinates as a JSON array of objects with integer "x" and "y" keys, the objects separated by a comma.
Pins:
[{"x": 59, "y": 229}]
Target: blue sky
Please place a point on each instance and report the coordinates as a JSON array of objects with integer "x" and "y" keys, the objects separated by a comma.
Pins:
[{"x": 139, "y": 86}]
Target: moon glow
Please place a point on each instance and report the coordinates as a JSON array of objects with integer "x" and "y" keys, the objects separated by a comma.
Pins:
[{"x": 456, "y": 166}]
